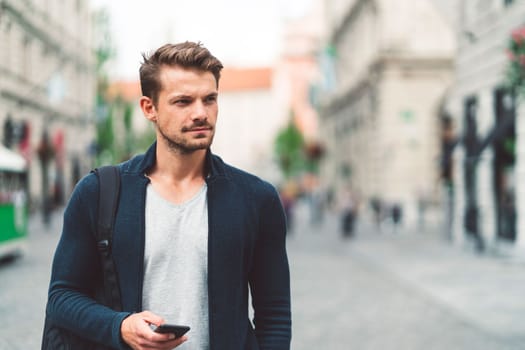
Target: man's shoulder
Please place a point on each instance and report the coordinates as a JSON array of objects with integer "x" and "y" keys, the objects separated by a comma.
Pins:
[
  {"x": 89, "y": 182},
  {"x": 140, "y": 162},
  {"x": 133, "y": 165},
  {"x": 243, "y": 178}
]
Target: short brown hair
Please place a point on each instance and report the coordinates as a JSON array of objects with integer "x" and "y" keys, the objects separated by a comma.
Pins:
[{"x": 187, "y": 54}]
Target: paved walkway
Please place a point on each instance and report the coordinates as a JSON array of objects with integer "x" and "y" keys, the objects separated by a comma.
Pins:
[
  {"x": 23, "y": 287},
  {"x": 488, "y": 290},
  {"x": 483, "y": 291}
]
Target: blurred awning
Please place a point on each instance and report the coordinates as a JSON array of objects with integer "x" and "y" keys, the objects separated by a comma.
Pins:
[{"x": 10, "y": 160}]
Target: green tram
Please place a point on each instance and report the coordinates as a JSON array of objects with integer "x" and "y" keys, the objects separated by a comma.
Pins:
[{"x": 13, "y": 203}]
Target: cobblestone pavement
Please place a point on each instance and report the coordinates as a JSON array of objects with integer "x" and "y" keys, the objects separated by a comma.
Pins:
[
  {"x": 23, "y": 288},
  {"x": 386, "y": 291},
  {"x": 375, "y": 291}
]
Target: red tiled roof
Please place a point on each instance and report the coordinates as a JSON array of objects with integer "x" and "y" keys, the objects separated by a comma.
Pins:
[
  {"x": 238, "y": 79},
  {"x": 127, "y": 90}
]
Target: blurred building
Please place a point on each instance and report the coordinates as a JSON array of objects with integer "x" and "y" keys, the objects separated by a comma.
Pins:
[
  {"x": 488, "y": 160},
  {"x": 257, "y": 103},
  {"x": 248, "y": 120},
  {"x": 386, "y": 66},
  {"x": 47, "y": 88},
  {"x": 297, "y": 71}
]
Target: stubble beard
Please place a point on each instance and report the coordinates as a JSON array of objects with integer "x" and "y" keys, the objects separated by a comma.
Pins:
[{"x": 181, "y": 146}]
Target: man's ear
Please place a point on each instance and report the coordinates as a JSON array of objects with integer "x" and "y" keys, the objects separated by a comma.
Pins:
[{"x": 148, "y": 108}]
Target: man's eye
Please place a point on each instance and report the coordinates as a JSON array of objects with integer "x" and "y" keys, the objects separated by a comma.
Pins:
[
  {"x": 211, "y": 99},
  {"x": 182, "y": 102}
]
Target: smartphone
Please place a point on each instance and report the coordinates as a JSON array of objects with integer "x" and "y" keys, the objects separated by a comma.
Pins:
[{"x": 178, "y": 330}]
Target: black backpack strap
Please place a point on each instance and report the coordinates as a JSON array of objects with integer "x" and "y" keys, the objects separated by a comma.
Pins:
[{"x": 109, "y": 188}]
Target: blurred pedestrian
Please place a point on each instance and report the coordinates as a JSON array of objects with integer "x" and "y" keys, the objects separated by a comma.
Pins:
[
  {"x": 422, "y": 204},
  {"x": 472, "y": 227},
  {"x": 348, "y": 213},
  {"x": 330, "y": 198},
  {"x": 75, "y": 171},
  {"x": 396, "y": 216},
  {"x": 193, "y": 235},
  {"x": 377, "y": 209},
  {"x": 317, "y": 205},
  {"x": 46, "y": 152}
]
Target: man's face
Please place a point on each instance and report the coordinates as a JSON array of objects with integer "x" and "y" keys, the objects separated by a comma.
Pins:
[{"x": 186, "y": 111}]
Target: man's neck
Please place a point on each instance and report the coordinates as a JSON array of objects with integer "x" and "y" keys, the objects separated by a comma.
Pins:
[
  {"x": 180, "y": 166},
  {"x": 176, "y": 176}
]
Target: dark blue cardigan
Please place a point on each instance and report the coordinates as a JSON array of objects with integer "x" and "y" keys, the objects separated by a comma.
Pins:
[{"x": 246, "y": 247}]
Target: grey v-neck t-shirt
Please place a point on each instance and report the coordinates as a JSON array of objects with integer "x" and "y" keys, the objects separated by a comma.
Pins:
[{"x": 176, "y": 264}]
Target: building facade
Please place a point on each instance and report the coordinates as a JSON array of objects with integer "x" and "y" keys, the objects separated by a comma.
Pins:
[
  {"x": 488, "y": 160},
  {"x": 391, "y": 63},
  {"x": 248, "y": 120},
  {"x": 47, "y": 90}
]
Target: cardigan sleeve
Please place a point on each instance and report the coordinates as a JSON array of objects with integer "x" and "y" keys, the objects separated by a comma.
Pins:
[
  {"x": 75, "y": 274},
  {"x": 270, "y": 278}
]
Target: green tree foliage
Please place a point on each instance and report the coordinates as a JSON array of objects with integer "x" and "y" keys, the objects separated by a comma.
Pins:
[
  {"x": 129, "y": 136},
  {"x": 131, "y": 142},
  {"x": 104, "y": 49},
  {"x": 116, "y": 139},
  {"x": 104, "y": 114},
  {"x": 289, "y": 146},
  {"x": 105, "y": 138},
  {"x": 145, "y": 139}
]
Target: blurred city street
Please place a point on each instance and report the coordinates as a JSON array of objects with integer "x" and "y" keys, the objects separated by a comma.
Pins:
[
  {"x": 373, "y": 291},
  {"x": 399, "y": 291},
  {"x": 406, "y": 116}
]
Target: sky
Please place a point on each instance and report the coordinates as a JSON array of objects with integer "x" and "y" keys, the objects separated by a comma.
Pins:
[{"x": 238, "y": 32}]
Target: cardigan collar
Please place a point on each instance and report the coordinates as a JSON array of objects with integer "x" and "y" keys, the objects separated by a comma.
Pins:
[{"x": 214, "y": 166}]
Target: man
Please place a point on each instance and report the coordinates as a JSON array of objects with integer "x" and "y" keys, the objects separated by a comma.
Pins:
[{"x": 192, "y": 235}]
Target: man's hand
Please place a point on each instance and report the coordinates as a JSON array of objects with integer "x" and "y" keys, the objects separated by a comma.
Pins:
[{"x": 137, "y": 333}]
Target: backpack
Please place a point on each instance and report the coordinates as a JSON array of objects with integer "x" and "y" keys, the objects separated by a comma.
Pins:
[{"x": 56, "y": 338}]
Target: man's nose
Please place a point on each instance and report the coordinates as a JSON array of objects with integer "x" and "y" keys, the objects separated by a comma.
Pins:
[{"x": 199, "y": 111}]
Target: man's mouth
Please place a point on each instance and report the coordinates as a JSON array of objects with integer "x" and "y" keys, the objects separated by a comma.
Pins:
[{"x": 197, "y": 129}]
